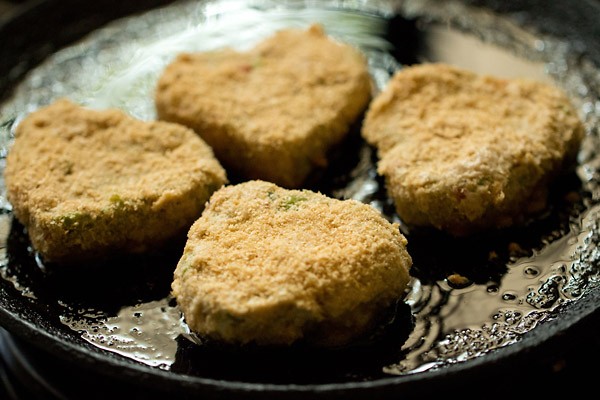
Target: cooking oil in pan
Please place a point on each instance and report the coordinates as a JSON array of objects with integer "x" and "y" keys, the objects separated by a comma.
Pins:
[
  {"x": 146, "y": 332},
  {"x": 468, "y": 297}
]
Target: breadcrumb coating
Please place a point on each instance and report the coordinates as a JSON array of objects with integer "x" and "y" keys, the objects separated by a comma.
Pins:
[
  {"x": 273, "y": 266},
  {"x": 273, "y": 112},
  {"x": 89, "y": 183},
  {"x": 464, "y": 152}
]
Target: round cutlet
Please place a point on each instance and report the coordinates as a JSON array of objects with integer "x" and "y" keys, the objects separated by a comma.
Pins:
[
  {"x": 464, "y": 152},
  {"x": 273, "y": 112},
  {"x": 272, "y": 266},
  {"x": 88, "y": 183}
]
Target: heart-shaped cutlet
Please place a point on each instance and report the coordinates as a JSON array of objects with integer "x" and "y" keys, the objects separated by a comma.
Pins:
[{"x": 275, "y": 111}]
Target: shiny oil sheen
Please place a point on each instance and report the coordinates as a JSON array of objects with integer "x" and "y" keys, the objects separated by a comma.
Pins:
[{"x": 468, "y": 296}]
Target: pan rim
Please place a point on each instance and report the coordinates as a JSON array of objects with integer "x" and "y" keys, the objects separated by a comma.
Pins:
[{"x": 125, "y": 368}]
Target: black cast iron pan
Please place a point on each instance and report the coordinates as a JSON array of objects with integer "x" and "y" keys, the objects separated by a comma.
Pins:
[{"x": 556, "y": 357}]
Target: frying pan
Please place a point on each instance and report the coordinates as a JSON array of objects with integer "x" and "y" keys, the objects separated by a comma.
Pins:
[{"x": 556, "y": 352}]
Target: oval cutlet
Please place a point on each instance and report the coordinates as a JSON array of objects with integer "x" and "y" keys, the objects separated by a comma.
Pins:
[
  {"x": 464, "y": 152},
  {"x": 274, "y": 112},
  {"x": 272, "y": 266},
  {"x": 88, "y": 183}
]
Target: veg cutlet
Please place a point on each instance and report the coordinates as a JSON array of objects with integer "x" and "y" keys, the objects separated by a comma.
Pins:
[
  {"x": 88, "y": 183},
  {"x": 274, "y": 112},
  {"x": 464, "y": 152},
  {"x": 274, "y": 266}
]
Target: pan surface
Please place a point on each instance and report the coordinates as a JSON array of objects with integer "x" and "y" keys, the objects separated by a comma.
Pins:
[{"x": 521, "y": 309}]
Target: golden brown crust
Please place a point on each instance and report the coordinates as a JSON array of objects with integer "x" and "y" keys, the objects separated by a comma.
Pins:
[
  {"x": 273, "y": 112},
  {"x": 464, "y": 152},
  {"x": 86, "y": 183},
  {"x": 274, "y": 266}
]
